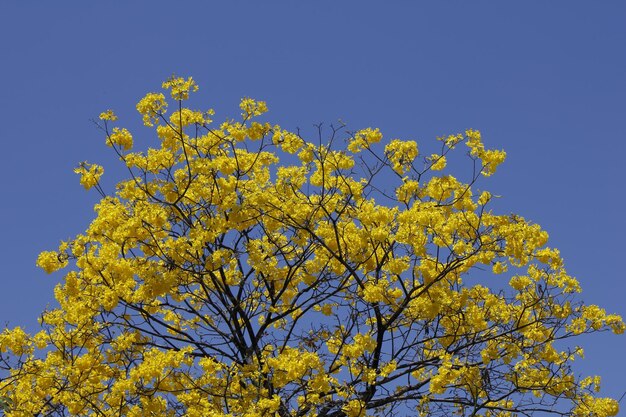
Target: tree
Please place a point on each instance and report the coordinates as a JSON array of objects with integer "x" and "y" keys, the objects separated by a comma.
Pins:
[{"x": 345, "y": 279}]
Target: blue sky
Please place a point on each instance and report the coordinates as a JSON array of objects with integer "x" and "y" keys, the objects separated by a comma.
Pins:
[{"x": 546, "y": 81}]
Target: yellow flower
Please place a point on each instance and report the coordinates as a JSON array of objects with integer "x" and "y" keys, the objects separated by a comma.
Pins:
[
  {"x": 121, "y": 138},
  {"x": 354, "y": 408},
  {"x": 89, "y": 174},
  {"x": 179, "y": 87},
  {"x": 251, "y": 107},
  {"x": 108, "y": 115},
  {"x": 438, "y": 162},
  {"x": 484, "y": 198},
  {"x": 151, "y": 107},
  {"x": 401, "y": 154},
  {"x": 363, "y": 139},
  {"x": 51, "y": 261}
]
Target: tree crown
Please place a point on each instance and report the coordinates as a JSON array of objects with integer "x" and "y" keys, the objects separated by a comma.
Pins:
[{"x": 243, "y": 270}]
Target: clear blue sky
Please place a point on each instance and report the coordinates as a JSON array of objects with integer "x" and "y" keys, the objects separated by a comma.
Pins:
[{"x": 546, "y": 81}]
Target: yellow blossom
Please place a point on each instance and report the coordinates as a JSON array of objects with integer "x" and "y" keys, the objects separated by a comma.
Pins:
[
  {"x": 89, "y": 174},
  {"x": 108, "y": 115}
]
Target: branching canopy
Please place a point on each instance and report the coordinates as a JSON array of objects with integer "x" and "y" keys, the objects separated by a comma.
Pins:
[{"x": 243, "y": 270}]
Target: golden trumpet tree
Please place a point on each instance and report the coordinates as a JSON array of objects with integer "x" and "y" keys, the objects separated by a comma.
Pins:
[{"x": 242, "y": 270}]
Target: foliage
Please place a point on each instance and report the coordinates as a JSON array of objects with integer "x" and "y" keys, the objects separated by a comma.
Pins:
[{"x": 343, "y": 279}]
